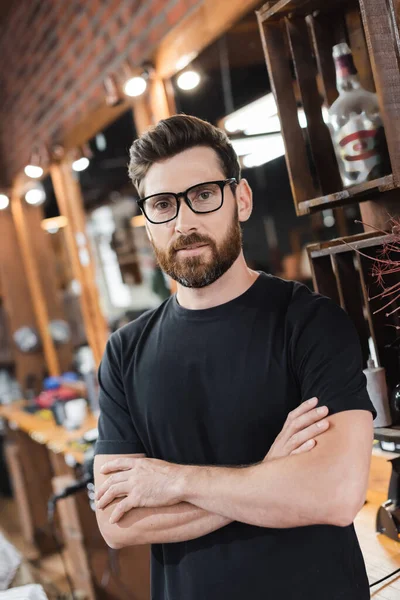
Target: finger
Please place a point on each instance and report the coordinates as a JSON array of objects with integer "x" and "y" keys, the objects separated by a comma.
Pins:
[
  {"x": 307, "y": 419},
  {"x": 115, "y": 478},
  {"x": 116, "y": 491},
  {"x": 309, "y": 433},
  {"x": 119, "y": 464},
  {"x": 306, "y": 447},
  {"x": 303, "y": 408},
  {"x": 121, "y": 508}
]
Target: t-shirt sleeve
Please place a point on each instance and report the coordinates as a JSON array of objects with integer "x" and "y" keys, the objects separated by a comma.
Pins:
[
  {"x": 326, "y": 354},
  {"x": 117, "y": 434}
]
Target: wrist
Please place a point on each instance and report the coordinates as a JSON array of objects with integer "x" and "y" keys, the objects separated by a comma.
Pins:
[{"x": 189, "y": 481}]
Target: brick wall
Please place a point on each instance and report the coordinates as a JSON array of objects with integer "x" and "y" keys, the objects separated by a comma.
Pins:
[{"x": 54, "y": 55}]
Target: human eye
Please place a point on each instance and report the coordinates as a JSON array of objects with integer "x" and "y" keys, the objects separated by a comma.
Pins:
[
  {"x": 205, "y": 192},
  {"x": 161, "y": 203}
]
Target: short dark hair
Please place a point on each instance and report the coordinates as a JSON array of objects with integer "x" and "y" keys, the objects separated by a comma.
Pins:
[{"x": 174, "y": 135}]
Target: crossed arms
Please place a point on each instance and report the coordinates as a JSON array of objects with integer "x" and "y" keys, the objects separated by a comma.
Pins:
[{"x": 143, "y": 500}]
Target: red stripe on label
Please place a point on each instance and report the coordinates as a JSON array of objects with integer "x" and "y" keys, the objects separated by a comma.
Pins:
[
  {"x": 361, "y": 156},
  {"x": 358, "y": 135}
]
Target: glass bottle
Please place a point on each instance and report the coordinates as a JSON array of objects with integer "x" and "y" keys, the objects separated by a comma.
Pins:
[{"x": 355, "y": 124}]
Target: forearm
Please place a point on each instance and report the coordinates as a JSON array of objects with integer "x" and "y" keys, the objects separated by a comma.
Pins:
[
  {"x": 288, "y": 492},
  {"x": 177, "y": 523}
]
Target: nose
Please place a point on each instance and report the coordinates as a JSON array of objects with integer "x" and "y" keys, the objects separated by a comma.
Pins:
[{"x": 187, "y": 220}]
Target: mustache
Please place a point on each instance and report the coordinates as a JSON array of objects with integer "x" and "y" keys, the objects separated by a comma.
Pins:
[{"x": 188, "y": 240}]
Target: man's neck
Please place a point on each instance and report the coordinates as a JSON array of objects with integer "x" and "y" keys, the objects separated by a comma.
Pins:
[{"x": 235, "y": 282}]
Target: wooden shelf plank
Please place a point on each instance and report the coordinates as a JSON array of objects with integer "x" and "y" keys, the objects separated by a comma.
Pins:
[
  {"x": 338, "y": 245},
  {"x": 274, "y": 40},
  {"x": 281, "y": 8},
  {"x": 318, "y": 133},
  {"x": 381, "y": 30},
  {"x": 357, "y": 193}
]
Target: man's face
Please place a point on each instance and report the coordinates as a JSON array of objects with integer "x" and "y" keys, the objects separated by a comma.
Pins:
[{"x": 194, "y": 249}]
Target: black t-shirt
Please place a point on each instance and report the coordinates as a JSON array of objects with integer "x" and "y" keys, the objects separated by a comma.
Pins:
[{"x": 214, "y": 387}]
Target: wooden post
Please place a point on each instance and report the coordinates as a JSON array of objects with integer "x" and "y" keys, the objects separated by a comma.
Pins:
[
  {"x": 75, "y": 551},
  {"x": 34, "y": 281},
  {"x": 274, "y": 45},
  {"x": 158, "y": 103},
  {"x": 70, "y": 202},
  {"x": 21, "y": 492},
  {"x": 16, "y": 299},
  {"x": 162, "y": 100}
]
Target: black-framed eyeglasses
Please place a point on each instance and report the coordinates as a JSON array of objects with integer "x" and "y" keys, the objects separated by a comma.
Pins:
[{"x": 201, "y": 198}]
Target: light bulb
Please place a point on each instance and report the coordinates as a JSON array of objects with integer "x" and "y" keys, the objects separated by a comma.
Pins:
[
  {"x": 188, "y": 80},
  {"x": 135, "y": 86},
  {"x": 33, "y": 171},
  {"x": 81, "y": 164},
  {"x": 35, "y": 196},
  {"x": 4, "y": 201}
]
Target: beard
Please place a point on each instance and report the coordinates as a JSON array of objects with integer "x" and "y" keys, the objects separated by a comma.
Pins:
[{"x": 200, "y": 271}]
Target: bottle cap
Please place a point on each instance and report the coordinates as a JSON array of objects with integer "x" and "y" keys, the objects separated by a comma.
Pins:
[{"x": 341, "y": 50}]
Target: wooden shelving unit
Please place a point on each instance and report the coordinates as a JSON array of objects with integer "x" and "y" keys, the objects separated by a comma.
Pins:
[
  {"x": 300, "y": 34},
  {"x": 341, "y": 269},
  {"x": 298, "y": 37}
]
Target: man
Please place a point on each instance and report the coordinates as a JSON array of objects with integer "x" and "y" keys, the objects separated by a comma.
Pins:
[{"x": 207, "y": 402}]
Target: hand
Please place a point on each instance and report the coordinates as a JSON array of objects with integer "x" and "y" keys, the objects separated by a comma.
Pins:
[
  {"x": 140, "y": 482},
  {"x": 301, "y": 427}
]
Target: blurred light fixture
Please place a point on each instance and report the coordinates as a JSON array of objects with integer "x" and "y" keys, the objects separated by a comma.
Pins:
[
  {"x": 4, "y": 201},
  {"x": 261, "y": 116},
  {"x": 58, "y": 152},
  {"x": 256, "y": 151},
  {"x": 185, "y": 60},
  {"x": 54, "y": 224},
  {"x": 101, "y": 142},
  {"x": 328, "y": 217},
  {"x": 138, "y": 221},
  {"x": 136, "y": 85},
  {"x": 251, "y": 116},
  {"x": 35, "y": 167},
  {"x": 113, "y": 93},
  {"x": 188, "y": 80},
  {"x": 35, "y": 194},
  {"x": 81, "y": 158},
  {"x": 80, "y": 164}
]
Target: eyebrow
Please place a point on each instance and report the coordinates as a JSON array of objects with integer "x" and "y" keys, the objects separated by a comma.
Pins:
[{"x": 217, "y": 178}]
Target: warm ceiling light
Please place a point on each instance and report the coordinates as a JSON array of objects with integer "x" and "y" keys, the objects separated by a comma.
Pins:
[
  {"x": 188, "y": 80},
  {"x": 54, "y": 224},
  {"x": 80, "y": 164},
  {"x": 34, "y": 169},
  {"x": 81, "y": 158},
  {"x": 135, "y": 86},
  {"x": 35, "y": 195},
  {"x": 4, "y": 201}
]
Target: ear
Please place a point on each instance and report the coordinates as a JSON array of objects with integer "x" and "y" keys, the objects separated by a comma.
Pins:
[{"x": 244, "y": 199}]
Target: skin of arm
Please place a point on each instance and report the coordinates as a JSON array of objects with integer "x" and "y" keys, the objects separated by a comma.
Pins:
[
  {"x": 326, "y": 486},
  {"x": 177, "y": 523},
  {"x": 184, "y": 521}
]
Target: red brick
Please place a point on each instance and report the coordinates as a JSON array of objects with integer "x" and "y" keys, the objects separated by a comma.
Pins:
[
  {"x": 52, "y": 86},
  {"x": 176, "y": 13}
]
